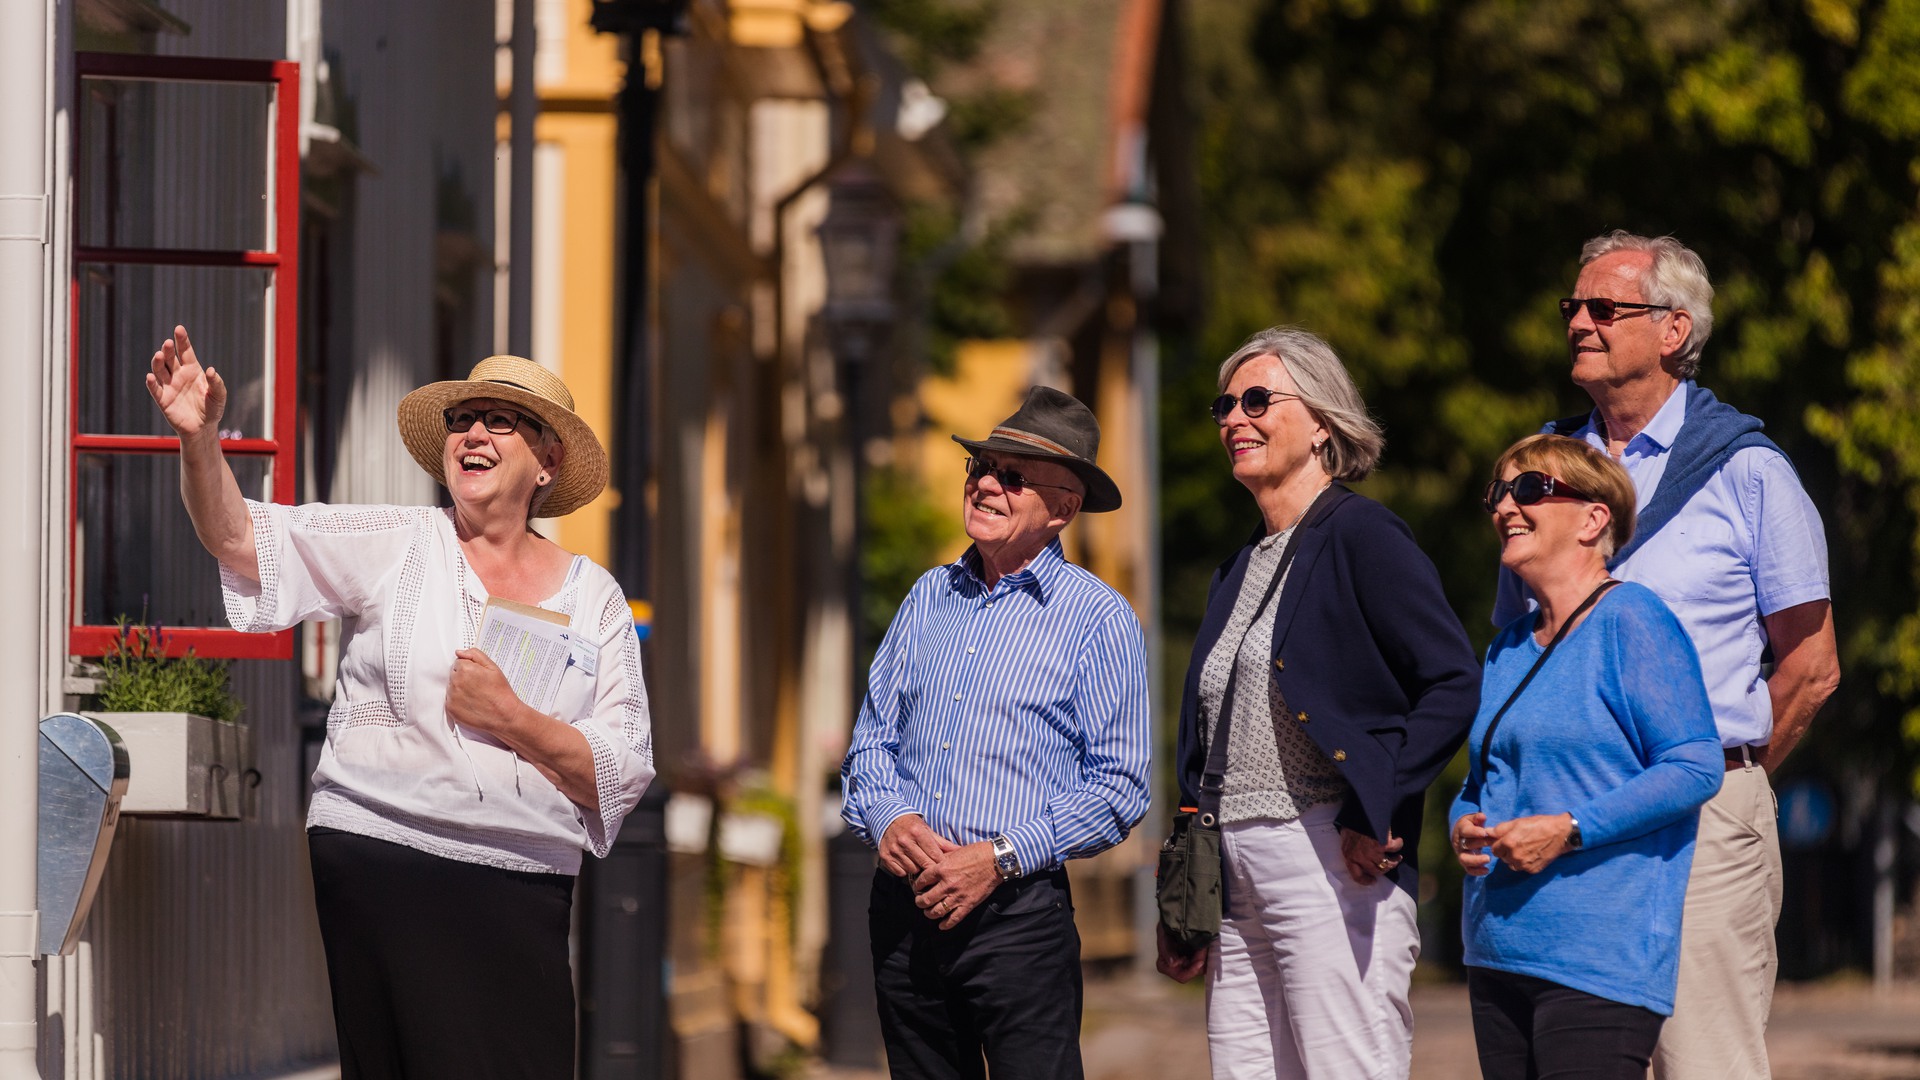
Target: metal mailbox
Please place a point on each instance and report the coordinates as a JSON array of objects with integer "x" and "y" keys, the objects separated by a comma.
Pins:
[{"x": 83, "y": 774}]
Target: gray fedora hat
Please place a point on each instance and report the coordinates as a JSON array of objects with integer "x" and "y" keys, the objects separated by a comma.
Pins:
[{"x": 1054, "y": 426}]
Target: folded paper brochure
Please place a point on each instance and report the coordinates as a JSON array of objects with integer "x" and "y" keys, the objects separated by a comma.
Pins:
[{"x": 532, "y": 646}]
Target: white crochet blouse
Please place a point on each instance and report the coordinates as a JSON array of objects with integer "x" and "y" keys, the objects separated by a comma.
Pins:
[{"x": 394, "y": 767}]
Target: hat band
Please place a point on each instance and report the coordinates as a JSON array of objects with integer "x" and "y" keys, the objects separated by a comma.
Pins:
[{"x": 1048, "y": 445}]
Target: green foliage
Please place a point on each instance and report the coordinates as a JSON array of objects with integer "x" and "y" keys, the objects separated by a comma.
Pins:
[
  {"x": 965, "y": 294},
  {"x": 957, "y": 268},
  {"x": 137, "y": 675},
  {"x": 929, "y": 33},
  {"x": 975, "y": 120},
  {"x": 902, "y": 534},
  {"x": 1413, "y": 180}
]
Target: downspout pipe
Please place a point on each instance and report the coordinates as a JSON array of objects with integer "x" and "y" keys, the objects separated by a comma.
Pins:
[
  {"x": 24, "y": 323},
  {"x": 523, "y": 106}
]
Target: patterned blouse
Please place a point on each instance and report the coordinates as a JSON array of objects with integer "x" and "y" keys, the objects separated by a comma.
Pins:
[
  {"x": 1269, "y": 775},
  {"x": 394, "y": 767}
]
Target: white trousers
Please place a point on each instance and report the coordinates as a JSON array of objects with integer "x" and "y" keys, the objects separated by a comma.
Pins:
[{"x": 1309, "y": 978}]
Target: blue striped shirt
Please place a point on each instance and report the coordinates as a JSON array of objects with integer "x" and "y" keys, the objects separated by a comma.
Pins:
[{"x": 1020, "y": 709}]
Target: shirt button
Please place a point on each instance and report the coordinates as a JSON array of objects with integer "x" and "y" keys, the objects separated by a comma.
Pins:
[
  {"x": 956, "y": 697},
  {"x": 969, "y": 650},
  {"x": 946, "y": 746},
  {"x": 936, "y": 795}
]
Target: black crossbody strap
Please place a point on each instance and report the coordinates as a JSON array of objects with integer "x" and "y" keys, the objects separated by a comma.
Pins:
[
  {"x": 1593, "y": 598},
  {"x": 1214, "y": 774}
]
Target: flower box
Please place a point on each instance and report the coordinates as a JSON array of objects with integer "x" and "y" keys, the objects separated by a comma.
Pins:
[{"x": 183, "y": 765}]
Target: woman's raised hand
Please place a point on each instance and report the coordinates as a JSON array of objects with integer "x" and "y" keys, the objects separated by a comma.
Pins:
[
  {"x": 1470, "y": 839},
  {"x": 193, "y": 398}
]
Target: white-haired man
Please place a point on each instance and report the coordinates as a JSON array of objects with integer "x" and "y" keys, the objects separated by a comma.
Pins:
[
  {"x": 1005, "y": 730},
  {"x": 1728, "y": 538}
]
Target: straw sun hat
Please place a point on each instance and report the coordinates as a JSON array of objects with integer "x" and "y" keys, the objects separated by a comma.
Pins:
[{"x": 529, "y": 387}]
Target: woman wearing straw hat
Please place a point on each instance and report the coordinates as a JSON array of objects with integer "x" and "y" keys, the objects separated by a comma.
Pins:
[{"x": 448, "y": 816}]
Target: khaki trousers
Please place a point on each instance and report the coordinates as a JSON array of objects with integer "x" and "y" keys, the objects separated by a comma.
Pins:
[{"x": 1728, "y": 958}]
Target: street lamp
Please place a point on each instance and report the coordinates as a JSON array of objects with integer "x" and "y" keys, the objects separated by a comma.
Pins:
[
  {"x": 634, "y": 16},
  {"x": 859, "y": 239}
]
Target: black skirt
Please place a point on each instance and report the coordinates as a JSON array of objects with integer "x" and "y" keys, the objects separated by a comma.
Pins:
[{"x": 441, "y": 968}]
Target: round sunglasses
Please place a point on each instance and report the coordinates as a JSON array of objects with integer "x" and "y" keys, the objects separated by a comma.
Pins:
[
  {"x": 1529, "y": 488},
  {"x": 1603, "y": 308},
  {"x": 1253, "y": 401},
  {"x": 1010, "y": 479}
]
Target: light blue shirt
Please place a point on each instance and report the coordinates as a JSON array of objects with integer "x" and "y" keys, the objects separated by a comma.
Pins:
[
  {"x": 1748, "y": 544},
  {"x": 1020, "y": 709}
]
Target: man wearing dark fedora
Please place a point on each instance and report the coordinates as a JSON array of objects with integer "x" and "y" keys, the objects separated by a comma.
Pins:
[{"x": 1004, "y": 731}]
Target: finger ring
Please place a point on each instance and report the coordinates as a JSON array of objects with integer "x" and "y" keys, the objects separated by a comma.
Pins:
[{"x": 1385, "y": 864}]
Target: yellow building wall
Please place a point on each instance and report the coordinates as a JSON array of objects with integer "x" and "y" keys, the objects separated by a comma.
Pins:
[
  {"x": 587, "y": 141},
  {"x": 990, "y": 380},
  {"x": 577, "y": 117}
]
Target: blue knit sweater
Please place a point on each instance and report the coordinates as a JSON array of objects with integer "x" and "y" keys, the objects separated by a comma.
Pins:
[{"x": 1617, "y": 731}]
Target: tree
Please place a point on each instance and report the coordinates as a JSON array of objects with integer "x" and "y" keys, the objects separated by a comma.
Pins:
[{"x": 1413, "y": 180}]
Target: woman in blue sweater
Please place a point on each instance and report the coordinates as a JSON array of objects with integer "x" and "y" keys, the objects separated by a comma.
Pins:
[{"x": 1592, "y": 752}]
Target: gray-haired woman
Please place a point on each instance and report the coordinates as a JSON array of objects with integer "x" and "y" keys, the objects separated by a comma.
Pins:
[{"x": 1344, "y": 683}]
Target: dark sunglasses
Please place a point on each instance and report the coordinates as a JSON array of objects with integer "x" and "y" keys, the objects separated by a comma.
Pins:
[
  {"x": 1253, "y": 401},
  {"x": 499, "y": 421},
  {"x": 1603, "y": 308},
  {"x": 1010, "y": 479},
  {"x": 1529, "y": 488}
]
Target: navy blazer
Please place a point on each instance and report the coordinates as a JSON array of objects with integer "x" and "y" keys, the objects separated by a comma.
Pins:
[{"x": 1372, "y": 662}]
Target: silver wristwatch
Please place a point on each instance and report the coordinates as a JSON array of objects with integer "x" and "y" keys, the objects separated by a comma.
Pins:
[{"x": 1005, "y": 859}]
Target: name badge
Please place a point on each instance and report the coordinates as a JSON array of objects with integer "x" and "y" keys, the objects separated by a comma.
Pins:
[{"x": 584, "y": 655}]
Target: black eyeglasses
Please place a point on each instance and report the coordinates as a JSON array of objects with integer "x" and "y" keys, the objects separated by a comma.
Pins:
[
  {"x": 1010, "y": 479},
  {"x": 1529, "y": 488},
  {"x": 499, "y": 421},
  {"x": 1603, "y": 308},
  {"x": 1253, "y": 401}
]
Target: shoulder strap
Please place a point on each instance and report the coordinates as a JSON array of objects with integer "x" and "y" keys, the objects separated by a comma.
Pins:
[
  {"x": 1567, "y": 425},
  {"x": 1486, "y": 741},
  {"x": 1213, "y": 775}
]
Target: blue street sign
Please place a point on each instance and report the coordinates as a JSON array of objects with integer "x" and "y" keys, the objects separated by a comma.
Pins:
[{"x": 1806, "y": 814}]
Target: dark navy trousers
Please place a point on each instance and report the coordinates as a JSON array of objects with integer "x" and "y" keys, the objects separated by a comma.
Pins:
[{"x": 997, "y": 995}]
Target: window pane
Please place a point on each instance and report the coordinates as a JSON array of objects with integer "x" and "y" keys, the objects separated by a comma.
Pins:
[
  {"x": 134, "y": 545},
  {"x": 174, "y": 165},
  {"x": 127, "y": 311}
]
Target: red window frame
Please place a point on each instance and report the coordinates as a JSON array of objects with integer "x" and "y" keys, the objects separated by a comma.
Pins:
[{"x": 282, "y": 260}]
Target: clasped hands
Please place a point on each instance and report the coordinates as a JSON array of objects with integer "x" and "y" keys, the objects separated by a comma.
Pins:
[
  {"x": 949, "y": 880},
  {"x": 1526, "y": 844}
]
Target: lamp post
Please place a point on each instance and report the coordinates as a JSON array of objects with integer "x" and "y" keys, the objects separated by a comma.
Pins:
[
  {"x": 859, "y": 240},
  {"x": 624, "y": 904}
]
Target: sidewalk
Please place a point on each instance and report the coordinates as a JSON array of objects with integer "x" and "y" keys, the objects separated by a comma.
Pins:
[{"x": 1138, "y": 1028}]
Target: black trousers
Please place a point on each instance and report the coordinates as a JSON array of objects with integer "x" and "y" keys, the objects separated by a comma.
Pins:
[
  {"x": 1532, "y": 1029},
  {"x": 999, "y": 994},
  {"x": 441, "y": 968}
]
